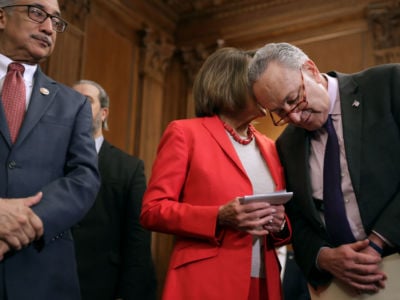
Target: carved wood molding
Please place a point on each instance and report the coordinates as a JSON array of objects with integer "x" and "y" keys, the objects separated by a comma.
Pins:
[
  {"x": 157, "y": 51},
  {"x": 389, "y": 55},
  {"x": 75, "y": 11},
  {"x": 384, "y": 22},
  {"x": 193, "y": 57}
]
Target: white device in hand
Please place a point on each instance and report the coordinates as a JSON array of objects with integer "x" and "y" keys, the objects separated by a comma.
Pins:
[{"x": 275, "y": 198}]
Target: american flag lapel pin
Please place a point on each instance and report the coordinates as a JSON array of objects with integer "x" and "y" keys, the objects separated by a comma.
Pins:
[{"x": 356, "y": 103}]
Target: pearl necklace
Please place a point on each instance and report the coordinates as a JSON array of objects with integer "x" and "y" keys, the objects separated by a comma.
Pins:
[{"x": 238, "y": 138}]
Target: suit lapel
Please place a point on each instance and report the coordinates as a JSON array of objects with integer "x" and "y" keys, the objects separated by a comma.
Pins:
[
  {"x": 214, "y": 126},
  {"x": 352, "y": 109},
  {"x": 295, "y": 147},
  {"x": 4, "y": 132},
  {"x": 43, "y": 94}
]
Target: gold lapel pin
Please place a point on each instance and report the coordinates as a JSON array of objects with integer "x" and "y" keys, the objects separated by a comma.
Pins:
[{"x": 44, "y": 91}]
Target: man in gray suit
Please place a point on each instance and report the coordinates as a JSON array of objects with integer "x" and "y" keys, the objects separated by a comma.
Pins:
[
  {"x": 48, "y": 173},
  {"x": 365, "y": 109}
]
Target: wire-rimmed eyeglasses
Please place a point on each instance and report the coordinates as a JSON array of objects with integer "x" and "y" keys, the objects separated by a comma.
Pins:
[{"x": 38, "y": 15}]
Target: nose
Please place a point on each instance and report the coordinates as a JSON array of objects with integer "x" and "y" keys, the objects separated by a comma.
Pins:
[
  {"x": 294, "y": 117},
  {"x": 47, "y": 26}
]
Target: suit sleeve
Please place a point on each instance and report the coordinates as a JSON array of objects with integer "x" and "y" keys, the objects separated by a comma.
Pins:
[
  {"x": 138, "y": 280},
  {"x": 164, "y": 207},
  {"x": 68, "y": 198}
]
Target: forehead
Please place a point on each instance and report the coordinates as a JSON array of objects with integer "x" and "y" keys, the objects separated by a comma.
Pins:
[
  {"x": 277, "y": 83},
  {"x": 51, "y": 6},
  {"x": 87, "y": 90}
]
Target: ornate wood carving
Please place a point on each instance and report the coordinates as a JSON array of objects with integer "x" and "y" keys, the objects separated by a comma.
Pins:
[
  {"x": 157, "y": 50},
  {"x": 384, "y": 21},
  {"x": 75, "y": 11},
  {"x": 193, "y": 57}
]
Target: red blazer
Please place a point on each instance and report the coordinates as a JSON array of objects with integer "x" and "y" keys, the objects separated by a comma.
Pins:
[{"x": 195, "y": 172}]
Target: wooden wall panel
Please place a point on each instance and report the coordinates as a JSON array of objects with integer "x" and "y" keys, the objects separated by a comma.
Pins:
[
  {"x": 150, "y": 127},
  {"x": 175, "y": 87},
  {"x": 64, "y": 65},
  {"x": 103, "y": 44},
  {"x": 345, "y": 54},
  {"x": 109, "y": 60}
]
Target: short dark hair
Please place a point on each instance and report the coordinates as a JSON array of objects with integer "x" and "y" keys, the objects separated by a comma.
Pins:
[{"x": 221, "y": 85}]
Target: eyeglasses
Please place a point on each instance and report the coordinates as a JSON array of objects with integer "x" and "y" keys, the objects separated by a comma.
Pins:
[
  {"x": 280, "y": 117},
  {"x": 39, "y": 15}
]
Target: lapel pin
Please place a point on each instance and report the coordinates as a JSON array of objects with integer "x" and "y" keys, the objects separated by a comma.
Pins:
[
  {"x": 356, "y": 104},
  {"x": 44, "y": 91}
]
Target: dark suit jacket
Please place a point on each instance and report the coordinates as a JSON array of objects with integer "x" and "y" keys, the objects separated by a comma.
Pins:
[
  {"x": 371, "y": 133},
  {"x": 294, "y": 283},
  {"x": 55, "y": 154},
  {"x": 113, "y": 250}
]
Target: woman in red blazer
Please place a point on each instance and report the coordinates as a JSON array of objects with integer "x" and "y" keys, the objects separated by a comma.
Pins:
[{"x": 223, "y": 249}]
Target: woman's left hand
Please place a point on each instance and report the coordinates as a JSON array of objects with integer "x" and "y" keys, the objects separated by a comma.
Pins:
[{"x": 278, "y": 221}]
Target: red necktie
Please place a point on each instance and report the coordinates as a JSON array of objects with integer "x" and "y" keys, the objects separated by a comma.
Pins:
[{"x": 14, "y": 98}]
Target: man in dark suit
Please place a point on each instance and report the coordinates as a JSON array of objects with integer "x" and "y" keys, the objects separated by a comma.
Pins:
[
  {"x": 113, "y": 250},
  {"x": 48, "y": 173},
  {"x": 365, "y": 108},
  {"x": 294, "y": 284}
]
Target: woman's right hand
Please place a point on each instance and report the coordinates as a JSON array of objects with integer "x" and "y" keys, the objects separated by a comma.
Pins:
[{"x": 249, "y": 217}]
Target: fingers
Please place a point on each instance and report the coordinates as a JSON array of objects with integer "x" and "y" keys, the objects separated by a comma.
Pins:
[
  {"x": 19, "y": 232},
  {"x": 263, "y": 215},
  {"x": 277, "y": 222},
  {"x": 358, "y": 270},
  {"x": 33, "y": 200},
  {"x": 19, "y": 225},
  {"x": 256, "y": 218}
]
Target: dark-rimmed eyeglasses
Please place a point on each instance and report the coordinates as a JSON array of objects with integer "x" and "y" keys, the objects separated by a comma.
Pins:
[
  {"x": 38, "y": 15},
  {"x": 281, "y": 117}
]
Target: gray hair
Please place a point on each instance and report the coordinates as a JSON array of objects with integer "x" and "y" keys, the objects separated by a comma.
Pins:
[
  {"x": 103, "y": 97},
  {"x": 4, "y": 3},
  {"x": 283, "y": 53}
]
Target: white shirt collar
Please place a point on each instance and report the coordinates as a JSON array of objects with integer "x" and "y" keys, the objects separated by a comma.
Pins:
[
  {"x": 99, "y": 141},
  {"x": 29, "y": 69},
  {"x": 333, "y": 88}
]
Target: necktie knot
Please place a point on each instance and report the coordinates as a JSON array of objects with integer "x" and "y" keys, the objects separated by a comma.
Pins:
[
  {"x": 16, "y": 67},
  {"x": 329, "y": 124}
]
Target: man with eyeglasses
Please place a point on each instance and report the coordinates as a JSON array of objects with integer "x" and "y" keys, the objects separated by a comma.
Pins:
[
  {"x": 355, "y": 252},
  {"x": 48, "y": 174}
]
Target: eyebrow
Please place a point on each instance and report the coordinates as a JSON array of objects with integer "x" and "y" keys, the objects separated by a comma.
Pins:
[{"x": 38, "y": 5}]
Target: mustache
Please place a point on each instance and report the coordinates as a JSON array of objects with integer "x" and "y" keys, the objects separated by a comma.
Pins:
[{"x": 43, "y": 38}]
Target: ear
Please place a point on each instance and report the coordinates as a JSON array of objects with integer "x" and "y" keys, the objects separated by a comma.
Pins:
[
  {"x": 3, "y": 18},
  {"x": 312, "y": 69},
  {"x": 104, "y": 113}
]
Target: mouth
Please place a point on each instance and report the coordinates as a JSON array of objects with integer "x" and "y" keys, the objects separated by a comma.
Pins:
[{"x": 44, "y": 40}]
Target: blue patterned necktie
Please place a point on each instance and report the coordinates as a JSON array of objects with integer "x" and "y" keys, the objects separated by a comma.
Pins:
[{"x": 337, "y": 225}]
